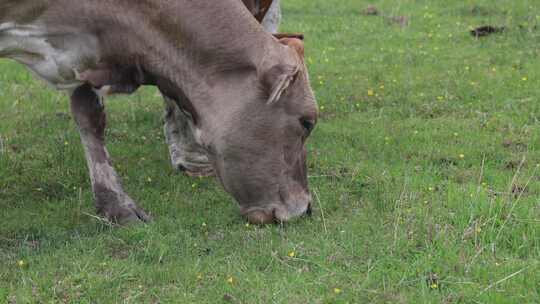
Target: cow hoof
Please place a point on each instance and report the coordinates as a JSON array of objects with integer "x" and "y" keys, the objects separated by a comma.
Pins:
[{"x": 126, "y": 215}]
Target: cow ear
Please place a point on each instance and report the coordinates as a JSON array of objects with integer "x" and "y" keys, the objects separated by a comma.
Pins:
[{"x": 281, "y": 76}]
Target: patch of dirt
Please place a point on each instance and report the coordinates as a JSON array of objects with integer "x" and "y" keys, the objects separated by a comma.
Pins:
[
  {"x": 370, "y": 10},
  {"x": 486, "y": 30}
]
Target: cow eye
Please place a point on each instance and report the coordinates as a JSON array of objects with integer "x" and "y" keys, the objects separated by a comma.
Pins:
[{"x": 307, "y": 124}]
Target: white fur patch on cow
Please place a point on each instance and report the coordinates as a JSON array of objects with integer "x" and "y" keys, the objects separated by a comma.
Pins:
[
  {"x": 6, "y": 25},
  {"x": 33, "y": 45}
]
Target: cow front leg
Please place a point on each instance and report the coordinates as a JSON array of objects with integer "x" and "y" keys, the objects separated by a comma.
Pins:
[
  {"x": 186, "y": 154},
  {"x": 111, "y": 200}
]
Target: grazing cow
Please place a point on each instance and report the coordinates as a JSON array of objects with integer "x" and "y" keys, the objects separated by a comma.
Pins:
[{"x": 246, "y": 93}]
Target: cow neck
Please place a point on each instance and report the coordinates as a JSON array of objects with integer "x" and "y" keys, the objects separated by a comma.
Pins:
[{"x": 203, "y": 52}]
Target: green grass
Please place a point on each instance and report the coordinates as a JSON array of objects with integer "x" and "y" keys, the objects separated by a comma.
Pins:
[{"x": 425, "y": 165}]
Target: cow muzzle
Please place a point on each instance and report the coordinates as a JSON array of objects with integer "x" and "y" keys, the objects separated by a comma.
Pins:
[{"x": 276, "y": 215}]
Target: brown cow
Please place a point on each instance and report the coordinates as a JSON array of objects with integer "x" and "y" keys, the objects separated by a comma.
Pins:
[{"x": 247, "y": 93}]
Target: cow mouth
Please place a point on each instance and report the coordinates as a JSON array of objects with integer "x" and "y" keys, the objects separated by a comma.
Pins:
[{"x": 274, "y": 215}]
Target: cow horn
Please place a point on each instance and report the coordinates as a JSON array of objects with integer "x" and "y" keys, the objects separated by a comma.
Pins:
[
  {"x": 279, "y": 36},
  {"x": 295, "y": 44},
  {"x": 282, "y": 75}
]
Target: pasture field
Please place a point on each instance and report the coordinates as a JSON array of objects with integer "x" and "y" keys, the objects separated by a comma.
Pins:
[{"x": 425, "y": 167}]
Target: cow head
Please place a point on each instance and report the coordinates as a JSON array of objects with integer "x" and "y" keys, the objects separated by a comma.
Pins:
[{"x": 258, "y": 149}]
